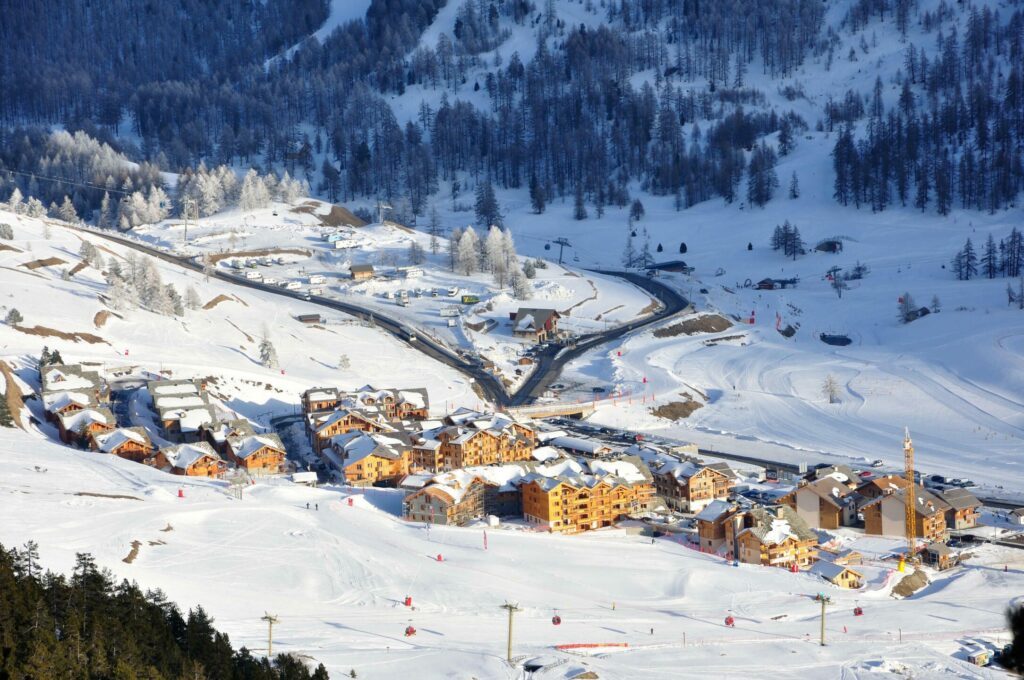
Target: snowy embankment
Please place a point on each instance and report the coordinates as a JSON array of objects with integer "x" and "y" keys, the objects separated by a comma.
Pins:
[{"x": 336, "y": 578}]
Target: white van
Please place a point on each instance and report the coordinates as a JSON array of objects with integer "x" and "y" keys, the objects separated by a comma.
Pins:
[
  {"x": 293, "y": 285},
  {"x": 254, "y": 276}
]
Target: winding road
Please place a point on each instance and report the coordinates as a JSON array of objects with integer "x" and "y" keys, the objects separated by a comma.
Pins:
[{"x": 549, "y": 361}]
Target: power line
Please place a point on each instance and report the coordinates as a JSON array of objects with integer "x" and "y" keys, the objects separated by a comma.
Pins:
[{"x": 87, "y": 185}]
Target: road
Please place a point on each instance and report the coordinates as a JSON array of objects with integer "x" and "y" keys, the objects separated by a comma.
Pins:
[{"x": 549, "y": 362}]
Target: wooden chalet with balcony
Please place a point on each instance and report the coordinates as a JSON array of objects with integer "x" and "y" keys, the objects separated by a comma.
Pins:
[{"x": 130, "y": 443}]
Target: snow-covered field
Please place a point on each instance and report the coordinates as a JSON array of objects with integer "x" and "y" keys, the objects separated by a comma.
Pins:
[
  {"x": 336, "y": 578},
  {"x": 587, "y": 301}
]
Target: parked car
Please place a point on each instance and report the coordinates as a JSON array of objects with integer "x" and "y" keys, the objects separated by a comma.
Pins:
[{"x": 877, "y": 463}]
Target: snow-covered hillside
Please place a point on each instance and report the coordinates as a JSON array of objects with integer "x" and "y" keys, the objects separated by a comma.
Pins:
[
  {"x": 337, "y": 576},
  {"x": 219, "y": 338}
]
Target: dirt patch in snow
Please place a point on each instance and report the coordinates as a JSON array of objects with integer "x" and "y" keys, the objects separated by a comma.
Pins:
[
  {"x": 117, "y": 496},
  {"x": 910, "y": 584},
  {"x": 247, "y": 336},
  {"x": 238, "y": 299},
  {"x": 707, "y": 323},
  {"x": 78, "y": 267},
  {"x": 48, "y": 262},
  {"x": 4, "y": 246},
  {"x": 593, "y": 296},
  {"x": 677, "y": 410},
  {"x": 12, "y": 394},
  {"x": 260, "y": 252},
  {"x": 134, "y": 552},
  {"x": 100, "y": 318},
  {"x": 602, "y": 314},
  {"x": 651, "y": 308},
  {"x": 45, "y": 332},
  {"x": 337, "y": 217},
  {"x": 217, "y": 300}
]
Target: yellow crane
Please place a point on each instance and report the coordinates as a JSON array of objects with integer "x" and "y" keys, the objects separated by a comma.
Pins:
[{"x": 911, "y": 498}]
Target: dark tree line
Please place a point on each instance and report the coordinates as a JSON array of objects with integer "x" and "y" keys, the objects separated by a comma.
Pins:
[
  {"x": 1005, "y": 259},
  {"x": 87, "y": 626},
  {"x": 955, "y": 133}
]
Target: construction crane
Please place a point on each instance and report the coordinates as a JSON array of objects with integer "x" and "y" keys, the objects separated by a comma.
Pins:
[{"x": 911, "y": 499}]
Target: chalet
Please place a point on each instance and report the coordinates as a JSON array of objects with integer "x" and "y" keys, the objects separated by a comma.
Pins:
[
  {"x": 569, "y": 498},
  {"x": 964, "y": 508},
  {"x": 886, "y": 515},
  {"x": 939, "y": 555},
  {"x": 260, "y": 453},
  {"x": 458, "y": 502},
  {"x": 192, "y": 460},
  {"x": 218, "y": 432},
  {"x": 363, "y": 459},
  {"x": 689, "y": 486},
  {"x": 57, "y": 404},
  {"x": 182, "y": 407},
  {"x": 361, "y": 272},
  {"x": 711, "y": 523},
  {"x": 825, "y": 503},
  {"x": 320, "y": 399},
  {"x": 774, "y": 537},
  {"x": 77, "y": 427},
  {"x": 676, "y": 266},
  {"x": 772, "y": 284},
  {"x": 844, "y": 556},
  {"x": 467, "y": 438},
  {"x": 840, "y": 473},
  {"x": 130, "y": 443},
  {"x": 396, "y": 404},
  {"x": 837, "y": 574},
  {"x": 73, "y": 378},
  {"x": 1016, "y": 516},
  {"x": 326, "y": 426},
  {"x": 880, "y": 486},
  {"x": 538, "y": 325}
]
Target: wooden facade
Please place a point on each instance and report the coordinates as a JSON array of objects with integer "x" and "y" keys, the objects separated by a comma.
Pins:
[
  {"x": 694, "y": 492},
  {"x": 886, "y": 516},
  {"x": 565, "y": 506},
  {"x": 129, "y": 447},
  {"x": 438, "y": 504}
]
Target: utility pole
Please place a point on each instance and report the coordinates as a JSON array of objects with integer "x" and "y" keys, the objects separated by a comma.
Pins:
[
  {"x": 188, "y": 204},
  {"x": 512, "y": 609},
  {"x": 562, "y": 244},
  {"x": 824, "y": 602},
  {"x": 271, "y": 620}
]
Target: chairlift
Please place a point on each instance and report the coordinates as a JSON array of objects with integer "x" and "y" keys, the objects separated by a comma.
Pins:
[
  {"x": 556, "y": 619},
  {"x": 730, "y": 621},
  {"x": 547, "y": 246},
  {"x": 409, "y": 631},
  {"x": 575, "y": 258},
  {"x": 857, "y": 610}
]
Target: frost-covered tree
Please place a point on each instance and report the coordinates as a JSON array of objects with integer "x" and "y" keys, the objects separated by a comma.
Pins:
[
  {"x": 830, "y": 389},
  {"x": 468, "y": 252},
  {"x": 495, "y": 252},
  {"x": 416, "y": 253},
  {"x": 172, "y": 301},
  {"x": 343, "y": 362},
  {"x": 192, "y": 300},
  {"x": 521, "y": 288},
  {"x": 34, "y": 207},
  {"x": 529, "y": 269},
  {"x": 6, "y": 231},
  {"x": 453, "y": 248},
  {"x": 268, "y": 355},
  {"x": 105, "y": 216},
  {"x": 67, "y": 211},
  {"x": 254, "y": 194},
  {"x": 14, "y": 201}
]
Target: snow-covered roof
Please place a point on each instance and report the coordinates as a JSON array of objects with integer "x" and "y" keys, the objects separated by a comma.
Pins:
[
  {"x": 79, "y": 420},
  {"x": 55, "y": 401},
  {"x": 304, "y": 477},
  {"x": 68, "y": 377},
  {"x": 172, "y": 387},
  {"x": 714, "y": 510},
  {"x": 588, "y": 446},
  {"x": 220, "y": 430},
  {"x": 545, "y": 453},
  {"x": 184, "y": 455},
  {"x": 357, "y": 446},
  {"x": 110, "y": 441},
  {"x": 175, "y": 401},
  {"x": 829, "y": 570},
  {"x": 243, "y": 447},
  {"x": 190, "y": 419},
  {"x": 774, "y": 526}
]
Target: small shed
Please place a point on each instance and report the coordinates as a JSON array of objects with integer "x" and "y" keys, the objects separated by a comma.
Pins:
[
  {"x": 939, "y": 555},
  {"x": 838, "y": 574},
  {"x": 310, "y": 318},
  {"x": 306, "y": 478},
  {"x": 766, "y": 284},
  {"x": 361, "y": 272}
]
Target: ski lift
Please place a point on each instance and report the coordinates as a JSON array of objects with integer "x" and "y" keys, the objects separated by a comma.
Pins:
[
  {"x": 409, "y": 631},
  {"x": 556, "y": 619},
  {"x": 857, "y": 610},
  {"x": 547, "y": 246},
  {"x": 575, "y": 258}
]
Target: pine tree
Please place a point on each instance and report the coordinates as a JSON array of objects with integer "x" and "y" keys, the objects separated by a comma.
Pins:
[
  {"x": 970, "y": 261},
  {"x": 14, "y": 201},
  {"x": 636, "y": 210},
  {"x": 629, "y": 254},
  {"x": 487, "y": 211},
  {"x": 6, "y": 419},
  {"x": 67, "y": 210},
  {"x": 936, "y": 305},
  {"x": 908, "y": 309},
  {"x": 13, "y": 317},
  {"x": 990, "y": 259},
  {"x": 794, "y": 186},
  {"x": 434, "y": 230},
  {"x": 416, "y": 253},
  {"x": 579, "y": 211},
  {"x": 537, "y": 200}
]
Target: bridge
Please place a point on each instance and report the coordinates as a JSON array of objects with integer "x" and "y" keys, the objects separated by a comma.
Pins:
[{"x": 574, "y": 410}]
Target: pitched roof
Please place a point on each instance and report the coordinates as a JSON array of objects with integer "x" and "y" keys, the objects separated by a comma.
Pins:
[
  {"x": 243, "y": 447},
  {"x": 532, "y": 319},
  {"x": 79, "y": 420},
  {"x": 55, "y": 401},
  {"x": 714, "y": 510},
  {"x": 110, "y": 441},
  {"x": 358, "y": 445},
  {"x": 830, "y": 570},
  {"x": 884, "y": 484},
  {"x": 773, "y": 527},
  {"x": 184, "y": 455},
  {"x": 68, "y": 377},
  {"x": 220, "y": 430},
  {"x": 959, "y": 499},
  {"x": 831, "y": 490},
  {"x": 927, "y": 503}
]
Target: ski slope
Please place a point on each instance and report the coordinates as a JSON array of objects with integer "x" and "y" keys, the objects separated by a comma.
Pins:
[{"x": 336, "y": 578}]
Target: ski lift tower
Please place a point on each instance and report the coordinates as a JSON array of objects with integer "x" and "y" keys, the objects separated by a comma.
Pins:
[
  {"x": 381, "y": 208},
  {"x": 562, "y": 244},
  {"x": 911, "y": 500}
]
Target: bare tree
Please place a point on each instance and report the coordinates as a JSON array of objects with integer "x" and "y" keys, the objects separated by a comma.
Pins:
[{"x": 830, "y": 388}]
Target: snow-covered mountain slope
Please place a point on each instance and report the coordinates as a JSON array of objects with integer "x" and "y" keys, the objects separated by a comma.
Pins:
[
  {"x": 220, "y": 338},
  {"x": 336, "y": 577}
]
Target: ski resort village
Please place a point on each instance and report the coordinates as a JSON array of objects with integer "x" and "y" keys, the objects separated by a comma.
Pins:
[{"x": 512, "y": 339}]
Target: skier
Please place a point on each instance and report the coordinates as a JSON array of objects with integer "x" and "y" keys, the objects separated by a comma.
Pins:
[
  {"x": 307, "y": 505},
  {"x": 318, "y": 507}
]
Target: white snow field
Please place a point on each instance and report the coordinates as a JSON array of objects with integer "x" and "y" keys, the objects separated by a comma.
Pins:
[
  {"x": 222, "y": 341},
  {"x": 336, "y": 578}
]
